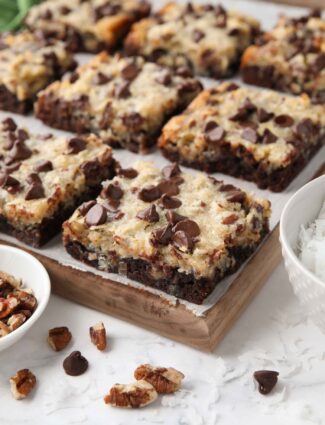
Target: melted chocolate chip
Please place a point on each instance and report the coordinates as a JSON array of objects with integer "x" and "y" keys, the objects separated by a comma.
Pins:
[
  {"x": 76, "y": 145},
  {"x": 18, "y": 152},
  {"x": 188, "y": 87},
  {"x": 91, "y": 170},
  {"x": 169, "y": 187},
  {"x": 75, "y": 364},
  {"x": 188, "y": 226},
  {"x": 129, "y": 173},
  {"x": 236, "y": 196},
  {"x": 263, "y": 115},
  {"x": 266, "y": 379},
  {"x": 122, "y": 90},
  {"x": 112, "y": 191},
  {"x": 283, "y": 120},
  {"x": 268, "y": 137},
  {"x": 133, "y": 120},
  {"x": 306, "y": 129},
  {"x": 171, "y": 170},
  {"x": 149, "y": 214},
  {"x": 182, "y": 241},
  {"x": 250, "y": 134},
  {"x": 43, "y": 166},
  {"x": 173, "y": 218},
  {"x": 85, "y": 207},
  {"x": 35, "y": 191},
  {"x": 162, "y": 236},
  {"x": 96, "y": 216},
  {"x": 130, "y": 72},
  {"x": 9, "y": 125},
  {"x": 169, "y": 202},
  {"x": 102, "y": 79},
  {"x": 149, "y": 193},
  {"x": 197, "y": 35}
]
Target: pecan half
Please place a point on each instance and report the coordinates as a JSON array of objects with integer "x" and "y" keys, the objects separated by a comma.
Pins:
[
  {"x": 22, "y": 383},
  {"x": 98, "y": 335},
  {"x": 139, "y": 394},
  {"x": 59, "y": 338},
  {"x": 164, "y": 380}
]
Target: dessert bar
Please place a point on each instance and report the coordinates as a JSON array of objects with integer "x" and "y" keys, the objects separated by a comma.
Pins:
[
  {"x": 289, "y": 58},
  {"x": 28, "y": 64},
  {"x": 91, "y": 25},
  {"x": 206, "y": 38},
  {"x": 44, "y": 178},
  {"x": 177, "y": 232},
  {"x": 124, "y": 100},
  {"x": 255, "y": 134}
]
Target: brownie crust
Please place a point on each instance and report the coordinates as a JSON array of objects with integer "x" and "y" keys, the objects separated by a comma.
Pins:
[{"x": 176, "y": 283}]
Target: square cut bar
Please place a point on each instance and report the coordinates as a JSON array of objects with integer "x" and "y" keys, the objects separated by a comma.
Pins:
[
  {"x": 43, "y": 179},
  {"x": 207, "y": 38},
  {"x": 289, "y": 58},
  {"x": 148, "y": 226},
  {"x": 28, "y": 64},
  {"x": 258, "y": 135},
  {"x": 87, "y": 26},
  {"x": 124, "y": 100}
]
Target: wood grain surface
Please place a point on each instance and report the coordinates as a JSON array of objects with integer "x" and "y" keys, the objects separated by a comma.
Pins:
[{"x": 320, "y": 4}]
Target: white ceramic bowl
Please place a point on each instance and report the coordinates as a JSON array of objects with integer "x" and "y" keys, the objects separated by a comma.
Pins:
[
  {"x": 24, "y": 266},
  {"x": 303, "y": 208}
]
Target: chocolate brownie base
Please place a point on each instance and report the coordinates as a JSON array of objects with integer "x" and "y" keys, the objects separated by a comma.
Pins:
[
  {"x": 9, "y": 102},
  {"x": 240, "y": 163},
  {"x": 178, "y": 284},
  {"x": 39, "y": 234}
]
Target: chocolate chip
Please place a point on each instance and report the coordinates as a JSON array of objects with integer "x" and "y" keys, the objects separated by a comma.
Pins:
[
  {"x": 11, "y": 138},
  {"x": 319, "y": 63},
  {"x": 230, "y": 219},
  {"x": 75, "y": 364},
  {"x": 8, "y": 181},
  {"x": 96, "y": 215},
  {"x": 232, "y": 87},
  {"x": 33, "y": 178},
  {"x": 189, "y": 87},
  {"x": 214, "y": 133},
  {"x": 85, "y": 207},
  {"x": 91, "y": 170},
  {"x": 236, "y": 196},
  {"x": 22, "y": 135},
  {"x": 306, "y": 129},
  {"x": 112, "y": 191},
  {"x": 244, "y": 111},
  {"x": 114, "y": 215},
  {"x": 76, "y": 145},
  {"x": 18, "y": 152},
  {"x": 268, "y": 137},
  {"x": 133, "y": 120},
  {"x": 173, "y": 218},
  {"x": 266, "y": 379},
  {"x": 129, "y": 173},
  {"x": 183, "y": 241},
  {"x": 149, "y": 193},
  {"x": 188, "y": 226},
  {"x": 164, "y": 78},
  {"x": 226, "y": 187},
  {"x": 263, "y": 115},
  {"x": 169, "y": 202},
  {"x": 283, "y": 120},
  {"x": 9, "y": 125},
  {"x": 169, "y": 187},
  {"x": 162, "y": 236},
  {"x": 149, "y": 214},
  {"x": 130, "y": 72},
  {"x": 102, "y": 79},
  {"x": 184, "y": 72},
  {"x": 250, "y": 134},
  {"x": 43, "y": 166},
  {"x": 234, "y": 32},
  {"x": 64, "y": 10},
  {"x": 171, "y": 170},
  {"x": 111, "y": 204},
  {"x": 197, "y": 35},
  {"x": 107, "y": 116},
  {"x": 13, "y": 167},
  {"x": 122, "y": 90},
  {"x": 35, "y": 191}
]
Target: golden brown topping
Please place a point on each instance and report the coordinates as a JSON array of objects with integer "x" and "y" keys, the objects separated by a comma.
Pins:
[
  {"x": 59, "y": 338},
  {"x": 22, "y": 383},
  {"x": 98, "y": 336},
  {"x": 139, "y": 394},
  {"x": 164, "y": 380}
]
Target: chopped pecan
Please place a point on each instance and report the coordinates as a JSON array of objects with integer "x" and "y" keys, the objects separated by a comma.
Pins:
[
  {"x": 134, "y": 395},
  {"x": 22, "y": 383},
  {"x": 26, "y": 300},
  {"x": 16, "y": 320},
  {"x": 164, "y": 380},
  {"x": 59, "y": 338},
  {"x": 98, "y": 335},
  {"x": 7, "y": 306},
  {"x": 4, "y": 330}
]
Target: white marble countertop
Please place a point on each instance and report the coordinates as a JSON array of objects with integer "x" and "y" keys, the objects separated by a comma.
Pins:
[{"x": 218, "y": 388}]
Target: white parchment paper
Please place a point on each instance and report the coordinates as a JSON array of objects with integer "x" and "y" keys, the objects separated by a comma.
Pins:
[{"x": 267, "y": 13}]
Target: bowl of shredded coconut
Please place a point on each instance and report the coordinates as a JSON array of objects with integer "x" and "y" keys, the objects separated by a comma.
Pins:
[{"x": 302, "y": 236}]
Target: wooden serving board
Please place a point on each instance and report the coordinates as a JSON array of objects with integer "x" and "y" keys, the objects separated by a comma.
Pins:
[
  {"x": 320, "y": 4},
  {"x": 154, "y": 313}
]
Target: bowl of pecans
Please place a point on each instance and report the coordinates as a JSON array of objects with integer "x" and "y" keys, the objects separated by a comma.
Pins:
[{"x": 24, "y": 293}]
